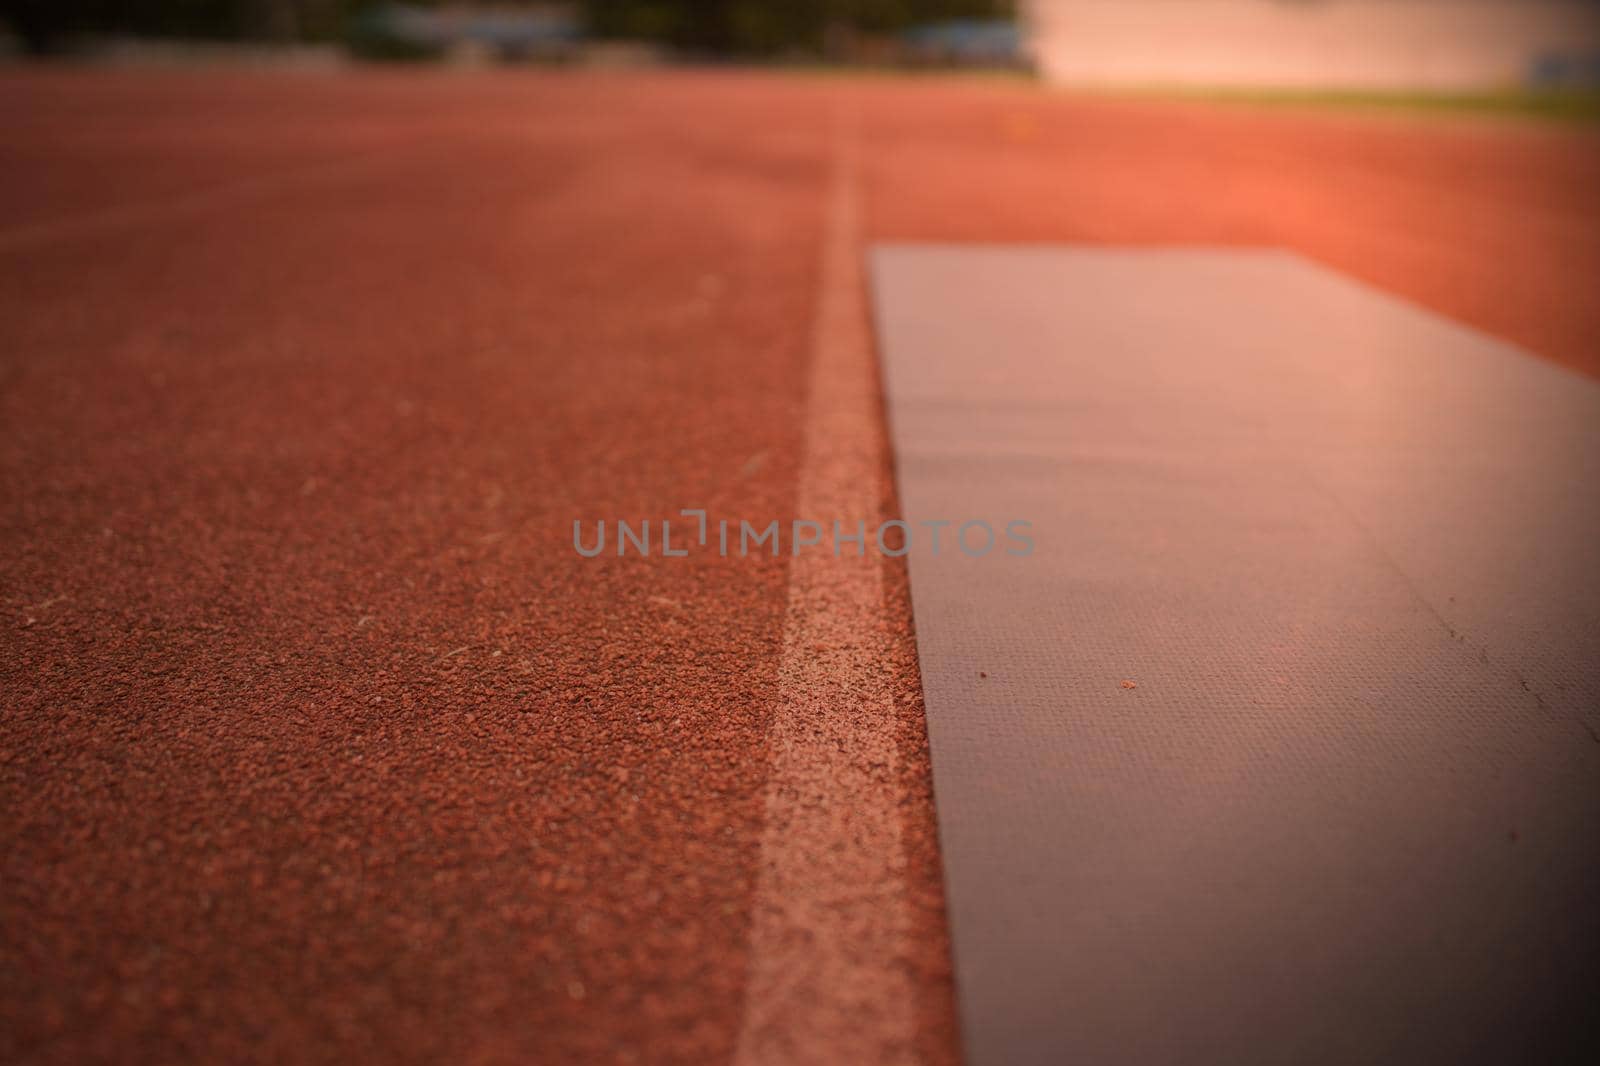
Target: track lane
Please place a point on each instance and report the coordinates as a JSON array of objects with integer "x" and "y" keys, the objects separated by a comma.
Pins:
[{"x": 317, "y": 741}]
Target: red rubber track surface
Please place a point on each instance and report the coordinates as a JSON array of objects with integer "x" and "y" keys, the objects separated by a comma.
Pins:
[{"x": 318, "y": 741}]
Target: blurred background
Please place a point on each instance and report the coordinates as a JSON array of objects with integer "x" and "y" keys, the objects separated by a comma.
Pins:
[
  {"x": 856, "y": 31},
  {"x": 1403, "y": 45}
]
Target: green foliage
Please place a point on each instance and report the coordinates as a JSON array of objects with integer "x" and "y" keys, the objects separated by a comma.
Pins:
[
  {"x": 764, "y": 27},
  {"x": 45, "y": 25},
  {"x": 367, "y": 36},
  {"x": 1581, "y": 105},
  {"x": 738, "y": 27}
]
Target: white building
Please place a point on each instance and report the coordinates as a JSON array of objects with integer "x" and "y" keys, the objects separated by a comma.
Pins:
[{"x": 1353, "y": 44}]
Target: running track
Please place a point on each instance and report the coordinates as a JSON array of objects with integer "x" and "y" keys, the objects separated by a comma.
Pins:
[{"x": 319, "y": 743}]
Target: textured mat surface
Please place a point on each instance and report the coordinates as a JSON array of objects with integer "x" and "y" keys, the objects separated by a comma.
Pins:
[{"x": 1282, "y": 744}]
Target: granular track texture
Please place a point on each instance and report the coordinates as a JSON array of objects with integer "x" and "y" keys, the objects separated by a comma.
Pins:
[{"x": 318, "y": 741}]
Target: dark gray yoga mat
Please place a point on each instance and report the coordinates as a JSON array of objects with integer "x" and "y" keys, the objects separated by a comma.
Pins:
[{"x": 1344, "y": 550}]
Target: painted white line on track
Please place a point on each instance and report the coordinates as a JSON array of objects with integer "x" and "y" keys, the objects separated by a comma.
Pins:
[{"x": 830, "y": 921}]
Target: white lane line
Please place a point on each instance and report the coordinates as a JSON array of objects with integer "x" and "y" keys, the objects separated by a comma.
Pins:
[{"x": 830, "y": 922}]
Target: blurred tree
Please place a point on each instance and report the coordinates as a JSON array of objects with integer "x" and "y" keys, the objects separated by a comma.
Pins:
[
  {"x": 48, "y": 25},
  {"x": 769, "y": 26},
  {"x": 741, "y": 27}
]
